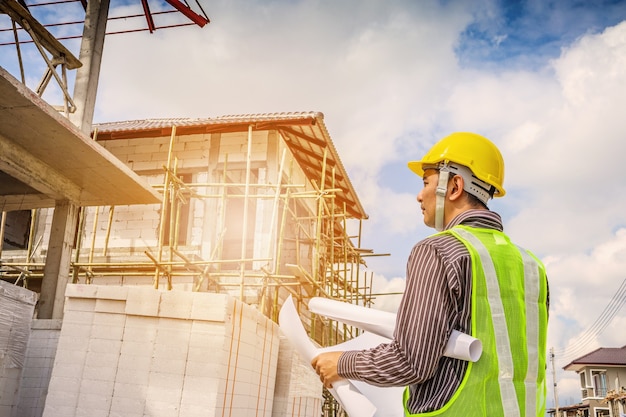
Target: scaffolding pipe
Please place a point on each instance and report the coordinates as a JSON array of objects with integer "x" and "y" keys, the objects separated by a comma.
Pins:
[
  {"x": 2, "y": 228},
  {"x": 108, "y": 233},
  {"x": 244, "y": 233},
  {"x": 166, "y": 194}
]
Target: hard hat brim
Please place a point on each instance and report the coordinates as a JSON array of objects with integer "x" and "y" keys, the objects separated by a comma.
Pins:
[{"x": 417, "y": 167}]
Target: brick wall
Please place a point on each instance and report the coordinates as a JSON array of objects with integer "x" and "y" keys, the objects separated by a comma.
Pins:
[
  {"x": 298, "y": 390},
  {"x": 130, "y": 351},
  {"x": 42, "y": 347}
]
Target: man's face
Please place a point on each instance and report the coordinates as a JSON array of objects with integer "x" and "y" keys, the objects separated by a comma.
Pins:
[{"x": 427, "y": 196}]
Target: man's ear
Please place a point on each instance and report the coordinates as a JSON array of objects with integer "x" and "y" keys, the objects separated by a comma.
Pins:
[{"x": 455, "y": 189}]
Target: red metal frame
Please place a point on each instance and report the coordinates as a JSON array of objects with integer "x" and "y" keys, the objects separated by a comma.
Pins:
[{"x": 184, "y": 9}]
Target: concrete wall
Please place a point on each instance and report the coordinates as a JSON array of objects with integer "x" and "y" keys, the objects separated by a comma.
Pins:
[
  {"x": 134, "y": 352},
  {"x": 298, "y": 390},
  {"x": 42, "y": 347},
  {"x": 17, "y": 306}
]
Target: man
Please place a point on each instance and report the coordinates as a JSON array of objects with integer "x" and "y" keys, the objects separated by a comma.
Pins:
[{"x": 468, "y": 277}]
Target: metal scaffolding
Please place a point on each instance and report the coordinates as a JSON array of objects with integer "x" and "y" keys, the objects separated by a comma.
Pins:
[{"x": 305, "y": 222}]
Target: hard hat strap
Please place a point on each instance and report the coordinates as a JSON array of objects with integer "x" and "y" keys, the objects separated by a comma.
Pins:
[{"x": 442, "y": 188}]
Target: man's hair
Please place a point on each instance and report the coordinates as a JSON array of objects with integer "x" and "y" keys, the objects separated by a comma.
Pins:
[{"x": 473, "y": 200}]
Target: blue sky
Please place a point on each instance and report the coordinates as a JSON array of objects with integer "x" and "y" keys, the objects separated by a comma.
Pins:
[
  {"x": 544, "y": 80},
  {"x": 529, "y": 32}
]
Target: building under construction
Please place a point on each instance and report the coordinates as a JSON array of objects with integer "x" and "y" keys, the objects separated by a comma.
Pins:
[
  {"x": 252, "y": 208},
  {"x": 143, "y": 263}
]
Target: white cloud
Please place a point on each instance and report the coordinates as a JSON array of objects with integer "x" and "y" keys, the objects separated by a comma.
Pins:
[
  {"x": 573, "y": 178},
  {"x": 390, "y": 291}
]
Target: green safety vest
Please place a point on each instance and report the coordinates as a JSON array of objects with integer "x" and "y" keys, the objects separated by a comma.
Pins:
[{"x": 510, "y": 318}]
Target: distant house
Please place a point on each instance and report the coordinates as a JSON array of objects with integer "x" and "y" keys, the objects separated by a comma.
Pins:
[{"x": 602, "y": 383}]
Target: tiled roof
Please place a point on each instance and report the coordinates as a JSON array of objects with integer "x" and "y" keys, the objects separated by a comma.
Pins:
[
  {"x": 304, "y": 132},
  {"x": 182, "y": 122},
  {"x": 600, "y": 356}
]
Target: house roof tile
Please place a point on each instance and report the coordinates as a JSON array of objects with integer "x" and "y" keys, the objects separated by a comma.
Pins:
[{"x": 600, "y": 356}]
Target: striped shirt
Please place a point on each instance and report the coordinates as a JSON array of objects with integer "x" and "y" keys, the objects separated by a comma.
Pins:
[{"x": 437, "y": 299}]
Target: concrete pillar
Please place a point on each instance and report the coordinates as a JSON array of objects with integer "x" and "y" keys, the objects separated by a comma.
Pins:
[
  {"x": 57, "y": 268},
  {"x": 86, "y": 85}
]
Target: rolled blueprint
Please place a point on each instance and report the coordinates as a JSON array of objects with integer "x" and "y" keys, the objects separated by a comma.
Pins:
[
  {"x": 356, "y": 397},
  {"x": 350, "y": 398},
  {"x": 460, "y": 345}
]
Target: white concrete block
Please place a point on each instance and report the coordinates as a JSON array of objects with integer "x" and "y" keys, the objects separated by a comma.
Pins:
[
  {"x": 138, "y": 377},
  {"x": 96, "y": 401},
  {"x": 143, "y": 302},
  {"x": 109, "y": 319},
  {"x": 76, "y": 330},
  {"x": 211, "y": 328},
  {"x": 169, "y": 352},
  {"x": 166, "y": 396},
  {"x": 174, "y": 324},
  {"x": 59, "y": 410},
  {"x": 131, "y": 391},
  {"x": 71, "y": 356},
  {"x": 114, "y": 333},
  {"x": 210, "y": 307},
  {"x": 87, "y": 411},
  {"x": 130, "y": 348},
  {"x": 101, "y": 373},
  {"x": 104, "y": 345},
  {"x": 168, "y": 365},
  {"x": 173, "y": 338},
  {"x": 176, "y": 304},
  {"x": 80, "y": 304},
  {"x": 161, "y": 409},
  {"x": 126, "y": 407},
  {"x": 142, "y": 358},
  {"x": 111, "y": 292},
  {"x": 73, "y": 370},
  {"x": 203, "y": 367},
  {"x": 81, "y": 291},
  {"x": 140, "y": 329},
  {"x": 63, "y": 384},
  {"x": 201, "y": 387},
  {"x": 96, "y": 386},
  {"x": 197, "y": 410},
  {"x": 69, "y": 342},
  {"x": 110, "y": 306}
]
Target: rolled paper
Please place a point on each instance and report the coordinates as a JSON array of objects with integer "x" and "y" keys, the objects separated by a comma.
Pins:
[
  {"x": 387, "y": 400},
  {"x": 356, "y": 397},
  {"x": 371, "y": 320},
  {"x": 348, "y": 396},
  {"x": 460, "y": 345},
  {"x": 463, "y": 346}
]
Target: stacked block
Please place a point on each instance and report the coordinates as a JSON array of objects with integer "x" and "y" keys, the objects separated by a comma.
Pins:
[
  {"x": 298, "y": 388},
  {"x": 17, "y": 306},
  {"x": 42, "y": 347},
  {"x": 136, "y": 351}
]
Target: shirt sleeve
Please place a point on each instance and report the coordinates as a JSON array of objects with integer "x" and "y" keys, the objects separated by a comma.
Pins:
[{"x": 421, "y": 333}]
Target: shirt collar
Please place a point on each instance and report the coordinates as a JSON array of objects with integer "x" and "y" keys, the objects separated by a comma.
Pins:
[{"x": 485, "y": 219}]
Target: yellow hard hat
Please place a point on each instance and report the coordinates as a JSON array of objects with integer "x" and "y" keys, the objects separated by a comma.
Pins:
[{"x": 475, "y": 152}]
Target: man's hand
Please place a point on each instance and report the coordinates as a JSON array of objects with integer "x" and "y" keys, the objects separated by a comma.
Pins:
[{"x": 325, "y": 364}]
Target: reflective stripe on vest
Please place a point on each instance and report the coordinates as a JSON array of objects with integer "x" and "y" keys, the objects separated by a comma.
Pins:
[{"x": 501, "y": 365}]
